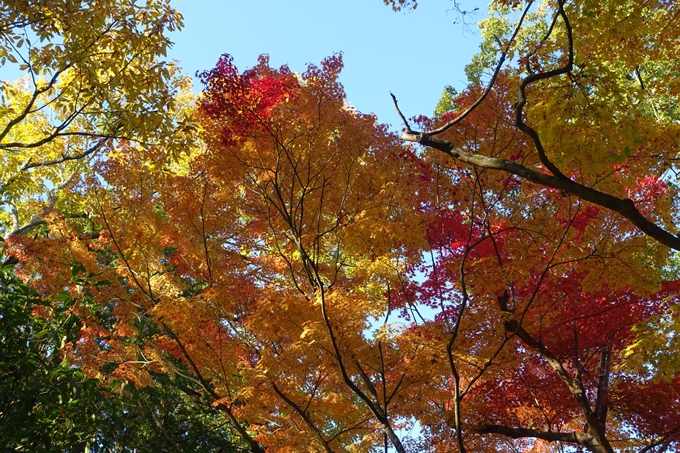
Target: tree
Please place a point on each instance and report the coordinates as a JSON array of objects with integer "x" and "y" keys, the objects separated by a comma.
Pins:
[
  {"x": 235, "y": 233},
  {"x": 569, "y": 69},
  {"x": 590, "y": 118},
  {"x": 45, "y": 405},
  {"x": 92, "y": 74},
  {"x": 50, "y": 405},
  {"x": 325, "y": 285}
]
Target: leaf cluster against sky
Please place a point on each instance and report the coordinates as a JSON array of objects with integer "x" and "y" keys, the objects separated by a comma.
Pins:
[{"x": 273, "y": 245}]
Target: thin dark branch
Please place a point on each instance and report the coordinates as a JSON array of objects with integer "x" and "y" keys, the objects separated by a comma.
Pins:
[
  {"x": 304, "y": 416},
  {"x": 67, "y": 157},
  {"x": 491, "y": 83},
  {"x": 487, "y": 90}
]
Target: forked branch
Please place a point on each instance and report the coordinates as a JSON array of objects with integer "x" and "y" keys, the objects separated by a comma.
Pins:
[
  {"x": 597, "y": 442},
  {"x": 555, "y": 179}
]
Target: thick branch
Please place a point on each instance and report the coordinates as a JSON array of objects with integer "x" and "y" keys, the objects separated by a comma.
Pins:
[
  {"x": 623, "y": 206},
  {"x": 585, "y": 439}
]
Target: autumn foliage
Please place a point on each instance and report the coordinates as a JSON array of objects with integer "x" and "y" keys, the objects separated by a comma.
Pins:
[{"x": 332, "y": 287}]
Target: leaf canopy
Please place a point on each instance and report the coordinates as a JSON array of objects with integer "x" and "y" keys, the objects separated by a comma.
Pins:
[{"x": 503, "y": 279}]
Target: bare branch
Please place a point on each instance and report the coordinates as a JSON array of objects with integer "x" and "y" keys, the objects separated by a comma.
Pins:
[{"x": 407, "y": 127}]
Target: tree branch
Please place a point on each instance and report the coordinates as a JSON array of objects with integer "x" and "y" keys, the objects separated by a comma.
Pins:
[
  {"x": 66, "y": 157},
  {"x": 489, "y": 86},
  {"x": 585, "y": 439},
  {"x": 603, "y": 387},
  {"x": 557, "y": 180},
  {"x": 305, "y": 417},
  {"x": 519, "y": 107},
  {"x": 599, "y": 442},
  {"x": 623, "y": 206},
  {"x": 252, "y": 443}
]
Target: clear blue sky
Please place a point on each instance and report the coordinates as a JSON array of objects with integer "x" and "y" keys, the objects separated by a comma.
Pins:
[{"x": 413, "y": 54}]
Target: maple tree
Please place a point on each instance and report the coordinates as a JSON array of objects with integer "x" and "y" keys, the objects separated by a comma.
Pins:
[
  {"x": 599, "y": 125},
  {"x": 327, "y": 285}
]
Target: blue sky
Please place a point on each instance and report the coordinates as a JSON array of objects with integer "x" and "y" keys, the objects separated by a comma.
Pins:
[{"x": 413, "y": 54}]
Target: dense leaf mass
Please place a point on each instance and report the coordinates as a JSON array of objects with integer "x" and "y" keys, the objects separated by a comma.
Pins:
[
  {"x": 502, "y": 280},
  {"x": 48, "y": 405},
  {"x": 90, "y": 73}
]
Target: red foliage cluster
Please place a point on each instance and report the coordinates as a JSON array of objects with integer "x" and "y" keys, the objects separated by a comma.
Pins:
[{"x": 243, "y": 102}]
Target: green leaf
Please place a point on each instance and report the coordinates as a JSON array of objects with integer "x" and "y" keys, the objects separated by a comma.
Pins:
[
  {"x": 61, "y": 296},
  {"x": 77, "y": 268}
]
